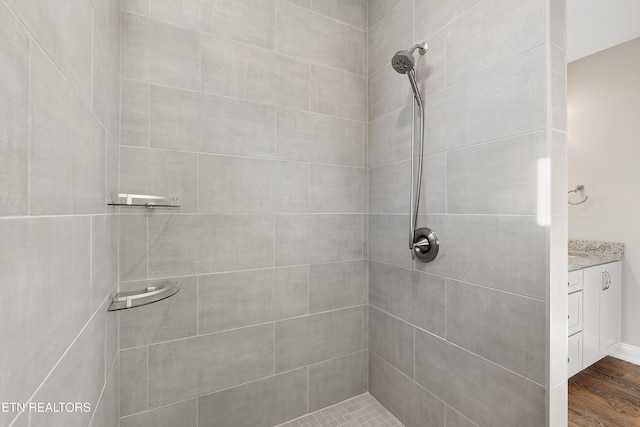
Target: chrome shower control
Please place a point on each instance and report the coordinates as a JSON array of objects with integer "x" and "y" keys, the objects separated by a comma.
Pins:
[{"x": 425, "y": 244}]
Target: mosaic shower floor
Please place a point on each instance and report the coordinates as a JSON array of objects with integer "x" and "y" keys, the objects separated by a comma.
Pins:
[{"x": 359, "y": 411}]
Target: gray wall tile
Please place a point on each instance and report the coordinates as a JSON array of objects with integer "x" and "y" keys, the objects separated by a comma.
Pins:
[
  {"x": 317, "y": 337},
  {"x": 141, "y": 7},
  {"x": 411, "y": 404},
  {"x": 456, "y": 419},
  {"x": 184, "y": 120},
  {"x": 133, "y": 381},
  {"x": 378, "y": 9},
  {"x": 176, "y": 118},
  {"x": 111, "y": 337},
  {"x": 185, "y": 13},
  {"x": 504, "y": 328},
  {"x": 78, "y": 377},
  {"x": 365, "y": 236},
  {"x": 388, "y": 91},
  {"x": 113, "y": 168},
  {"x": 484, "y": 392},
  {"x": 14, "y": 116},
  {"x": 507, "y": 100},
  {"x": 433, "y": 196},
  {"x": 337, "y": 285},
  {"x": 497, "y": 177},
  {"x": 250, "y": 21},
  {"x": 106, "y": 412},
  {"x": 335, "y": 189},
  {"x": 305, "y": 239},
  {"x": 431, "y": 68},
  {"x": 234, "y": 184},
  {"x": 432, "y": 15},
  {"x": 390, "y": 35},
  {"x": 38, "y": 258},
  {"x": 501, "y": 237},
  {"x": 105, "y": 99},
  {"x": 475, "y": 43},
  {"x": 262, "y": 403},
  {"x": 64, "y": 31},
  {"x": 558, "y": 87},
  {"x": 389, "y": 239},
  {"x": 365, "y": 327},
  {"x": 352, "y": 12},
  {"x": 338, "y": 93},
  {"x": 320, "y": 40},
  {"x": 232, "y": 300},
  {"x": 391, "y": 339},
  {"x": 338, "y": 379},
  {"x": 559, "y": 153},
  {"x": 104, "y": 257},
  {"x": 67, "y": 146},
  {"x": 160, "y": 53},
  {"x": 134, "y": 113},
  {"x": 165, "y": 173},
  {"x": 318, "y": 138},
  {"x": 197, "y": 244},
  {"x": 390, "y": 188},
  {"x": 229, "y": 69},
  {"x": 182, "y": 369},
  {"x": 415, "y": 297},
  {"x": 390, "y": 138},
  {"x": 132, "y": 246},
  {"x": 302, "y": 3},
  {"x": 169, "y": 319},
  {"x": 558, "y": 23},
  {"x": 183, "y": 414}
]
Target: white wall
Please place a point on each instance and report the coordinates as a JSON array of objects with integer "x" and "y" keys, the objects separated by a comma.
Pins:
[
  {"x": 595, "y": 25},
  {"x": 604, "y": 150}
]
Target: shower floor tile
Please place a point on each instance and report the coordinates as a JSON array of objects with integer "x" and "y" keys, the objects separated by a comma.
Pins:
[{"x": 359, "y": 411}]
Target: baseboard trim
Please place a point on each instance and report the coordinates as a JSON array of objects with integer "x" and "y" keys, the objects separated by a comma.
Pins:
[{"x": 628, "y": 353}]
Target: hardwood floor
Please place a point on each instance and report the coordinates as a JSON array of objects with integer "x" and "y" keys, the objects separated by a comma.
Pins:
[{"x": 606, "y": 394}]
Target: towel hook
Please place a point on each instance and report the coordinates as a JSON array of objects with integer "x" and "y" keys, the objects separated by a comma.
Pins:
[{"x": 579, "y": 188}]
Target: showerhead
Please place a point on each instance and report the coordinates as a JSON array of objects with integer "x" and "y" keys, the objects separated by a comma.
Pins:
[{"x": 403, "y": 61}]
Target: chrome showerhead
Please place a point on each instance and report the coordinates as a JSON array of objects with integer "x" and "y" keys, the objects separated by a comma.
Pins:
[{"x": 403, "y": 61}]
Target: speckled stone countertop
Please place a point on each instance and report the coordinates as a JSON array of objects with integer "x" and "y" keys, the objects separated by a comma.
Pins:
[{"x": 587, "y": 253}]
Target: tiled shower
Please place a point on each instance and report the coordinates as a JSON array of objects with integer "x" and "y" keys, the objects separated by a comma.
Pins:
[{"x": 284, "y": 133}]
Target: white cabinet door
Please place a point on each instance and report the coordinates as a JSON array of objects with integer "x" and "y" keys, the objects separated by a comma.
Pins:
[
  {"x": 592, "y": 286},
  {"x": 600, "y": 311},
  {"x": 575, "y": 354},
  {"x": 609, "y": 308},
  {"x": 575, "y": 312}
]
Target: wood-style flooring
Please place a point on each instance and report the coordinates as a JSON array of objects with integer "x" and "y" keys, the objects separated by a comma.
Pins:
[{"x": 606, "y": 394}]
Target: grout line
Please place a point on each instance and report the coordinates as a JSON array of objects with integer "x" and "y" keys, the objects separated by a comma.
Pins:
[
  {"x": 243, "y": 100},
  {"x": 238, "y": 156},
  {"x": 191, "y": 337}
]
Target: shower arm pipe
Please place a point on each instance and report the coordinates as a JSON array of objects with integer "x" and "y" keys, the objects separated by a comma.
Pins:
[{"x": 415, "y": 182}]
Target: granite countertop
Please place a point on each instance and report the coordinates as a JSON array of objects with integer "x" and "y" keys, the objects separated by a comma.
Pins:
[{"x": 587, "y": 253}]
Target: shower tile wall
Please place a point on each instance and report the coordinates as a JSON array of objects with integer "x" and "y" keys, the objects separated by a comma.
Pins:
[
  {"x": 468, "y": 333},
  {"x": 59, "y": 138},
  {"x": 253, "y": 113}
]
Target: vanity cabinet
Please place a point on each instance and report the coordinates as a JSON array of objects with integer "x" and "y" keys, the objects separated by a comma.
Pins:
[
  {"x": 601, "y": 311},
  {"x": 594, "y": 314}
]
